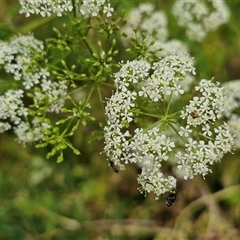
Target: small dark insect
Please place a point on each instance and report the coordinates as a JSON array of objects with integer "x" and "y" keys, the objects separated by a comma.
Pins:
[
  {"x": 194, "y": 114},
  {"x": 171, "y": 199},
  {"x": 113, "y": 166}
]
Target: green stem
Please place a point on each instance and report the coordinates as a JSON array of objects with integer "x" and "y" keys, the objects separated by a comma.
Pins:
[
  {"x": 66, "y": 129},
  {"x": 152, "y": 126},
  {"x": 35, "y": 24},
  {"x": 88, "y": 97},
  {"x": 88, "y": 45},
  {"x": 176, "y": 131},
  {"x": 100, "y": 96},
  {"x": 209, "y": 138},
  {"x": 74, "y": 9},
  {"x": 145, "y": 113},
  {"x": 169, "y": 104},
  {"x": 148, "y": 128}
]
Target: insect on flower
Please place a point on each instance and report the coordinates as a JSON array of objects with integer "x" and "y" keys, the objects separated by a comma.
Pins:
[
  {"x": 113, "y": 166},
  {"x": 194, "y": 114},
  {"x": 171, "y": 199}
]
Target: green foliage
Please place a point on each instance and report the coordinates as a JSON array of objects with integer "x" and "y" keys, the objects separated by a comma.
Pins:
[{"x": 82, "y": 198}]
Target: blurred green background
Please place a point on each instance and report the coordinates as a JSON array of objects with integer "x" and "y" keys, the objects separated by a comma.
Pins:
[{"x": 82, "y": 198}]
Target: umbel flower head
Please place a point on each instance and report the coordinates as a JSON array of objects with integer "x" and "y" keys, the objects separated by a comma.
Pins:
[
  {"x": 199, "y": 17},
  {"x": 22, "y": 59},
  {"x": 232, "y": 106},
  {"x": 146, "y": 20},
  {"x": 148, "y": 127},
  {"x": 45, "y": 7},
  {"x": 147, "y": 24},
  {"x": 86, "y": 8}
]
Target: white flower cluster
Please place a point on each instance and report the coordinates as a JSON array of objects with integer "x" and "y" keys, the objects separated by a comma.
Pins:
[
  {"x": 54, "y": 94},
  {"x": 45, "y": 7},
  {"x": 145, "y": 19},
  {"x": 199, "y": 17},
  {"x": 207, "y": 107},
  {"x": 149, "y": 149},
  {"x": 28, "y": 133},
  {"x": 87, "y": 8},
  {"x": 202, "y": 114},
  {"x": 234, "y": 124},
  {"x": 139, "y": 80},
  {"x": 232, "y": 90},
  {"x": 168, "y": 47},
  {"x": 20, "y": 58},
  {"x": 164, "y": 81},
  {"x": 232, "y": 107},
  {"x": 191, "y": 148},
  {"x": 11, "y": 109},
  {"x": 13, "y": 115},
  {"x": 92, "y": 8},
  {"x": 200, "y": 154}
]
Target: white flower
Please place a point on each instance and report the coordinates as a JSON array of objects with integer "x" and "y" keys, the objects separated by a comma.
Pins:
[
  {"x": 92, "y": 8},
  {"x": 45, "y": 8},
  {"x": 108, "y": 10},
  {"x": 185, "y": 131},
  {"x": 206, "y": 130},
  {"x": 4, "y": 126},
  {"x": 198, "y": 18},
  {"x": 19, "y": 54},
  {"x": 147, "y": 148},
  {"x": 154, "y": 181},
  {"x": 54, "y": 92},
  {"x": 232, "y": 96},
  {"x": 224, "y": 138},
  {"x": 234, "y": 125},
  {"x": 145, "y": 19},
  {"x": 200, "y": 154},
  {"x": 167, "y": 75},
  {"x": 146, "y": 89},
  {"x": 12, "y": 108},
  {"x": 19, "y": 60},
  {"x": 209, "y": 106}
]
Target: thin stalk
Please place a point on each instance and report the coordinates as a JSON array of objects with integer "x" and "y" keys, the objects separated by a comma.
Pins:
[{"x": 176, "y": 131}]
